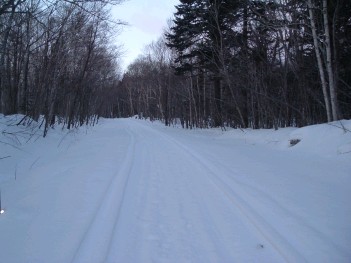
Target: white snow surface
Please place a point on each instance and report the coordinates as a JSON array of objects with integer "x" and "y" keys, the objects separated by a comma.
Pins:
[{"x": 129, "y": 190}]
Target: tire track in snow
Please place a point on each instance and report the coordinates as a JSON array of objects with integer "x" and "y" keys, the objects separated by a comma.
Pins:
[
  {"x": 126, "y": 241},
  {"x": 100, "y": 231},
  {"x": 184, "y": 236},
  {"x": 318, "y": 237},
  {"x": 274, "y": 238},
  {"x": 209, "y": 231},
  {"x": 180, "y": 224}
]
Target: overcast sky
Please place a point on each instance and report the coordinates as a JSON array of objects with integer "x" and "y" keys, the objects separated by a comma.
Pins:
[{"x": 147, "y": 19}]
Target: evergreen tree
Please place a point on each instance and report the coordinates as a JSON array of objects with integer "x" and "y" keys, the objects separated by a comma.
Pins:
[{"x": 200, "y": 38}]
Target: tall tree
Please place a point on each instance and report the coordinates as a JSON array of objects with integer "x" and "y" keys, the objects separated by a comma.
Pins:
[
  {"x": 200, "y": 29},
  {"x": 252, "y": 63},
  {"x": 326, "y": 49},
  {"x": 56, "y": 60}
]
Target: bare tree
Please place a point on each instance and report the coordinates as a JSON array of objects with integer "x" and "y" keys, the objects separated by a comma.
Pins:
[
  {"x": 324, "y": 44},
  {"x": 56, "y": 59}
]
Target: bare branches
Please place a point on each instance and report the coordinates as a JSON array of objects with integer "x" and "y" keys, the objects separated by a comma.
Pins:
[
  {"x": 57, "y": 60},
  {"x": 249, "y": 64}
]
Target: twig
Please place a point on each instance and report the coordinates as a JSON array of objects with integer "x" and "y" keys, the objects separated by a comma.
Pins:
[
  {"x": 342, "y": 127},
  {"x": 34, "y": 163},
  {"x": 25, "y": 117},
  {"x": 11, "y": 145},
  {"x": 345, "y": 152},
  {"x": 63, "y": 138},
  {"x": 5, "y": 157}
]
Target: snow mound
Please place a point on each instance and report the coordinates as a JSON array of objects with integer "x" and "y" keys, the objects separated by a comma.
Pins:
[
  {"x": 328, "y": 139},
  {"x": 260, "y": 136},
  {"x": 22, "y": 146}
]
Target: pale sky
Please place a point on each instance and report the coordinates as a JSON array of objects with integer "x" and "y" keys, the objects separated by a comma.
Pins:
[{"x": 147, "y": 19}]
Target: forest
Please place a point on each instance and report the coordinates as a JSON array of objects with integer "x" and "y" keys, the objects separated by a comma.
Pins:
[
  {"x": 57, "y": 60},
  {"x": 220, "y": 63}
]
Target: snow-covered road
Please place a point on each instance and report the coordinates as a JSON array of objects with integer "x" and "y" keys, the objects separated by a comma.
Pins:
[
  {"x": 173, "y": 207},
  {"x": 133, "y": 191}
]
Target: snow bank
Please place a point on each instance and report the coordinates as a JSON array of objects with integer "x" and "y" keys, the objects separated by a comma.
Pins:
[
  {"x": 22, "y": 145},
  {"x": 326, "y": 140}
]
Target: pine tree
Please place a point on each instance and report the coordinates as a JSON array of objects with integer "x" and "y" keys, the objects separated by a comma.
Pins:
[{"x": 200, "y": 38}]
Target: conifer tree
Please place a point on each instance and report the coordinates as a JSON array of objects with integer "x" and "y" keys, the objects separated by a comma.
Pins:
[{"x": 200, "y": 38}]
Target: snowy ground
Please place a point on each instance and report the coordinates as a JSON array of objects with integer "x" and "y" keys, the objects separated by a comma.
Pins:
[{"x": 133, "y": 191}]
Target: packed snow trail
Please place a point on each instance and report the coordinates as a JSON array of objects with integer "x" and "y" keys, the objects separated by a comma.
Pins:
[
  {"x": 170, "y": 211},
  {"x": 99, "y": 237},
  {"x": 132, "y": 191},
  {"x": 179, "y": 214}
]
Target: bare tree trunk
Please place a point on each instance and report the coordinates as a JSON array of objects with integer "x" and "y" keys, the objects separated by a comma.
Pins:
[
  {"x": 4, "y": 85},
  {"x": 335, "y": 52},
  {"x": 319, "y": 60},
  {"x": 332, "y": 88},
  {"x": 130, "y": 97}
]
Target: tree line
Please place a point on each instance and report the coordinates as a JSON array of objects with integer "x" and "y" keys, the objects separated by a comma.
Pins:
[
  {"x": 57, "y": 60},
  {"x": 245, "y": 63},
  {"x": 238, "y": 63}
]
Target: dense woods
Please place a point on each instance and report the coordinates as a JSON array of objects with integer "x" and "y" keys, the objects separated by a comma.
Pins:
[
  {"x": 56, "y": 60},
  {"x": 257, "y": 64},
  {"x": 238, "y": 63}
]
